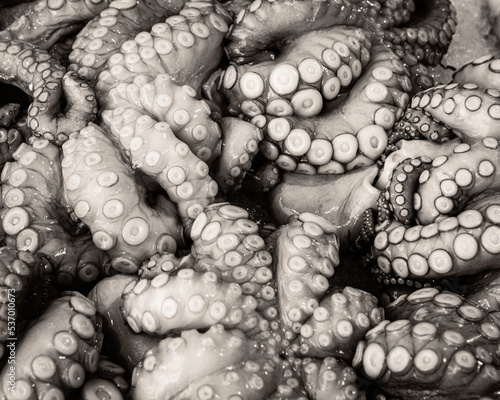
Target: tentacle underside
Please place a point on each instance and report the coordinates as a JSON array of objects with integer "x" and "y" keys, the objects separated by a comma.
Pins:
[
  {"x": 106, "y": 197},
  {"x": 38, "y": 75}
]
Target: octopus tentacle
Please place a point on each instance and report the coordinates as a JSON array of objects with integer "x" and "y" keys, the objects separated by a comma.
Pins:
[
  {"x": 327, "y": 377},
  {"x": 227, "y": 242},
  {"x": 35, "y": 217},
  {"x": 10, "y": 140},
  {"x": 104, "y": 34},
  {"x": 335, "y": 141},
  {"x": 156, "y": 151},
  {"x": 469, "y": 170},
  {"x": 240, "y": 145},
  {"x": 164, "y": 101},
  {"x": 305, "y": 258},
  {"x": 289, "y": 384},
  {"x": 55, "y": 355},
  {"x": 267, "y": 22},
  {"x": 421, "y": 352},
  {"x": 188, "y": 300},
  {"x": 9, "y": 113},
  {"x": 159, "y": 264},
  {"x": 297, "y": 81},
  {"x": 223, "y": 354},
  {"x": 470, "y": 111},
  {"x": 105, "y": 196},
  {"x": 37, "y": 74},
  {"x": 338, "y": 323},
  {"x": 478, "y": 71},
  {"x": 454, "y": 246},
  {"x": 44, "y": 22}
]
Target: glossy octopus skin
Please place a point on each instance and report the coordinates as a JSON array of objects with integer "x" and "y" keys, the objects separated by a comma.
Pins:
[
  {"x": 305, "y": 257},
  {"x": 228, "y": 363},
  {"x": 338, "y": 324},
  {"x": 22, "y": 274},
  {"x": 55, "y": 355},
  {"x": 38, "y": 75},
  {"x": 35, "y": 216},
  {"x": 188, "y": 300},
  {"x": 438, "y": 344},
  {"x": 296, "y": 82},
  {"x": 104, "y": 34},
  {"x": 44, "y": 22},
  {"x": 350, "y": 132},
  {"x": 108, "y": 199},
  {"x": 267, "y": 22}
]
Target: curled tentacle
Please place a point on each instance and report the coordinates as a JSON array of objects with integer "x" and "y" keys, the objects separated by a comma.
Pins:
[
  {"x": 155, "y": 150},
  {"x": 329, "y": 378},
  {"x": 227, "y": 242},
  {"x": 162, "y": 100},
  {"x": 104, "y": 34},
  {"x": 338, "y": 323},
  {"x": 305, "y": 258},
  {"x": 187, "y": 47},
  {"x": 350, "y": 133},
  {"x": 268, "y": 22},
  {"x": 239, "y": 147},
  {"x": 188, "y": 300},
  {"x": 107, "y": 198},
  {"x": 301, "y": 78},
  {"x": 44, "y": 22},
  {"x": 55, "y": 355},
  {"x": 225, "y": 355},
  {"x": 35, "y": 217},
  {"x": 438, "y": 344}
]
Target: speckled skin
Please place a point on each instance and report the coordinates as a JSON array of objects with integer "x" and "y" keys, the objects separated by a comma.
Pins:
[
  {"x": 36, "y": 73},
  {"x": 421, "y": 353},
  {"x": 36, "y": 218},
  {"x": 57, "y": 352}
]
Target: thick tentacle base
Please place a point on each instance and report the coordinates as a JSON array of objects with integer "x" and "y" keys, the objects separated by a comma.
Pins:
[
  {"x": 438, "y": 345},
  {"x": 227, "y": 242},
  {"x": 55, "y": 355},
  {"x": 338, "y": 324},
  {"x": 105, "y": 195},
  {"x": 305, "y": 258},
  {"x": 188, "y": 300},
  {"x": 223, "y": 360}
]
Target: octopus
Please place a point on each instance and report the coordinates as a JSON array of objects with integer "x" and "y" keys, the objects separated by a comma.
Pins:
[{"x": 144, "y": 119}]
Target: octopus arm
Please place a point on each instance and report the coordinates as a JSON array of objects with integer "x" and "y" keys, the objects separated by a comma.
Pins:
[
  {"x": 483, "y": 71},
  {"x": 43, "y": 22},
  {"x": 188, "y": 300},
  {"x": 165, "y": 101},
  {"x": 338, "y": 324},
  {"x": 227, "y": 242},
  {"x": 57, "y": 353},
  {"x": 306, "y": 256},
  {"x": 105, "y": 196},
  {"x": 37, "y": 74},
  {"x": 420, "y": 351},
  {"x": 174, "y": 358}
]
